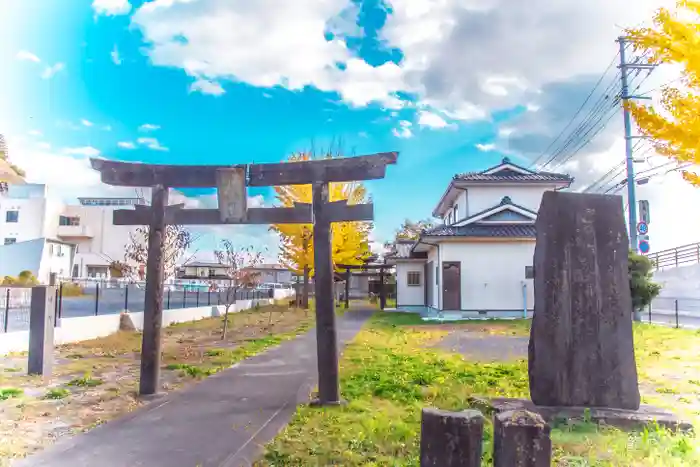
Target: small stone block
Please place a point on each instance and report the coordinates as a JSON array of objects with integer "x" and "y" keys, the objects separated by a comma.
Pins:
[
  {"x": 521, "y": 439},
  {"x": 320, "y": 403},
  {"x": 623, "y": 419},
  {"x": 451, "y": 439}
]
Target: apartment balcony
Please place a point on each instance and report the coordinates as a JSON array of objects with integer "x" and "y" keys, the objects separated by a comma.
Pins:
[{"x": 74, "y": 231}]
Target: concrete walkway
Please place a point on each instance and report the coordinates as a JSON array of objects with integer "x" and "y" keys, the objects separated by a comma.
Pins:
[{"x": 221, "y": 422}]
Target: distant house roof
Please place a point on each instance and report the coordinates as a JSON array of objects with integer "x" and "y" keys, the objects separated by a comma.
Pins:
[
  {"x": 505, "y": 172},
  {"x": 482, "y": 230},
  {"x": 203, "y": 264}
]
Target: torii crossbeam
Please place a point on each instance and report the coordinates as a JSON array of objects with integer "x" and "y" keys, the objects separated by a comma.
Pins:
[{"x": 231, "y": 182}]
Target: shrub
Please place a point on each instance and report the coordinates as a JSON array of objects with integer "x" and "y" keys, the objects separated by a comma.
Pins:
[
  {"x": 8, "y": 393},
  {"x": 57, "y": 393},
  {"x": 71, "y": 290},
  {"x": 642, "y": 288}
]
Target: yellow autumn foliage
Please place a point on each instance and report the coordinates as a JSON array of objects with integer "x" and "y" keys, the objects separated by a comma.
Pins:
[
  {"x": 350, "y": 240},
  {"x": 674, "y": 128}
]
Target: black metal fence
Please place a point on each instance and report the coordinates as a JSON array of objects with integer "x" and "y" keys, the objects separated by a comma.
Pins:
[
  {"x": 678, "y": 312},
  {"x": 14, "y": 308},
  {"x": 100, "y": 298},
  {"x": 674, "y": 257}
]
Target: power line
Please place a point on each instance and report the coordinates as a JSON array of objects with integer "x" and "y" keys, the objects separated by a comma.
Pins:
[
  {"x": 588, "y": 98},
  {"x": 616, "y": 167},
  {"x": 584, "y": 127},
  {"x": 581, "y": 142}
]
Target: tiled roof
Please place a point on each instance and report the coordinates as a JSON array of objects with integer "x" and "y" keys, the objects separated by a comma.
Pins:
[
  {"x": 481, "y": 230},
  {"x": 510, "y": 175}
]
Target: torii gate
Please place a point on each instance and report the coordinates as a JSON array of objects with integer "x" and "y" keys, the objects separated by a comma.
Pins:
[{"x": 231, "y": 182}]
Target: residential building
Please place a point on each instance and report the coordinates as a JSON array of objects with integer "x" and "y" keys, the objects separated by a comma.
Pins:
[
  {"x": 41, "y": 256},
  {"x": 272, "y": 274},
  {"x": 30, "y": 212},
  {"x": 480, "y": 258},
  {"x": 202, "y": 270}
]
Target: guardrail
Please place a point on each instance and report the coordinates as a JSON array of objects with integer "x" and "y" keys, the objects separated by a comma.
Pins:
[{"x": 674, "y": 257}]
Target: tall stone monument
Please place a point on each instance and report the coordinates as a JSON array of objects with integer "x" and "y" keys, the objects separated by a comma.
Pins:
[{"x": 581, "y": 351}]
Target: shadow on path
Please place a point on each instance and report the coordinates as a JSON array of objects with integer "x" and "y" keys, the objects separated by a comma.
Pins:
[
  {"x": 222, "y": 421},
  {"x": 483, "y": 347}
]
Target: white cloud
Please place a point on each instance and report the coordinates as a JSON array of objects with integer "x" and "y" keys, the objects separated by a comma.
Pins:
[
  {"x": 493, "y": 53},
  {"x": 485, "y": 147},
  {"x": 87, "y": 151},
  {"x": 210, "y": 40},
  {"x": 27, "y": 56},
  {"x": 116, "y": 58},
  {"x": 50, "y": 71},
  {"x": 404, "y": 129},
  {"x": 43, "y": 145},
  {"x": 126, "y": 145},
  {"x": 152, "y": 143},
  {"x": 34, "y": 133},
  {"x": 431, "y": 120},
  {"x": 149, "y": 127},
  {"x": 87, "y": 123},
  {"x": 111, "y": 7},
  {"x": 206, "y": 86}
]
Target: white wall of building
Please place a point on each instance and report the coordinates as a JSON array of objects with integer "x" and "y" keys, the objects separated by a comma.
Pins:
[
  {"x": 478, "y": 198},
  {"x": 436, "y": 273},
  {"x": 40, "y": 256},
  {"x": 527, "y": 196},
  {"x": 407, "y": 295},
  {"x": 29, "y": 202},
  {"x": 56, "y": 258},
  {"x": 99, "y": 241},
  {"x": 492, "y": 273}
]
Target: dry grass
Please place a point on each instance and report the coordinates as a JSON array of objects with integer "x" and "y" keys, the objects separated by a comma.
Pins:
[{"x": 97, "y": 380}]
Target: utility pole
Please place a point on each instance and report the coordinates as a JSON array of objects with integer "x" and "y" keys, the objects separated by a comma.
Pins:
[
  {"x": 625, "y": 96},
  {"x": 629, "y": 150}
]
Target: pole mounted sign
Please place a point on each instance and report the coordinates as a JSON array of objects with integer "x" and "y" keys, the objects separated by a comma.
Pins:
[
  {"x": 642, "y": 228},
  {"x": 643, "y": 246},
  {"x": 644, "y": 211}
]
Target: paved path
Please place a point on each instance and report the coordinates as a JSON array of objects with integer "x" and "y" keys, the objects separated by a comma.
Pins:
[{"x": 221, "y": 422}]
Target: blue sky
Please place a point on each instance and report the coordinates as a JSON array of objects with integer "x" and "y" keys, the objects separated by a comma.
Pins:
[{"x": 199, "y": 81}]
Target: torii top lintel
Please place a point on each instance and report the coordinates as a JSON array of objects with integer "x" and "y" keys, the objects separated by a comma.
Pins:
[{"x": 369, "y": 167}]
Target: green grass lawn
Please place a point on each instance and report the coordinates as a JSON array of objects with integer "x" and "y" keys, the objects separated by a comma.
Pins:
[{"x": 389, "y": 374}]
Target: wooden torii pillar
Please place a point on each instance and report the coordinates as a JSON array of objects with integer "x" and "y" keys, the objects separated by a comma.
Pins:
[{"x": 231, "y": 182}]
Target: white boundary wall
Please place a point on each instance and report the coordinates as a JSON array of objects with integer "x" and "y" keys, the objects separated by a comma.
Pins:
[{"x": 71, "y": 330}]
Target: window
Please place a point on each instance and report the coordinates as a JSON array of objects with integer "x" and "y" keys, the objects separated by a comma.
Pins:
[
  {"x": 50, "y": 249},
  {"x": 212, "y": 272},
  {"x": 413, "y": 278},
  {"x": 456, "y": 215},
  {"x": 65, "y": 220},
  {"x": 12, "y": 216},
  {"x": 10, "y": 241}
]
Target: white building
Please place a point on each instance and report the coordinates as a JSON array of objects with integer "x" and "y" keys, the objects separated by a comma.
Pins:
[
  {"x": 41, "y": 256},
  {"x": 29, "y": 212},
  {"x": 480, "y": 259}
]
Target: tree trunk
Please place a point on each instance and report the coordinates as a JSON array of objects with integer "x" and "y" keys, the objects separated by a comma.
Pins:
[
  {"x": 223, "y": 334},
  {"x": 305, "y": 296}
]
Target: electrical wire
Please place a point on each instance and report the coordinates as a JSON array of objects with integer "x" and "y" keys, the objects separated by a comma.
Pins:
[
  {"x": 571, "y": 121},
  {"x": 615, "y": 168}
]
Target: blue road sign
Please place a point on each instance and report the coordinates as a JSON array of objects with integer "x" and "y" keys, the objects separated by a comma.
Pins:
[
  {"x": 643, "y": 228},
  {"x": 644, "y": 246}
]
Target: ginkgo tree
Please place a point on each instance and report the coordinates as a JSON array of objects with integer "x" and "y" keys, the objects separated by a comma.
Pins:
[
  {"x": 350, "y": 240},
  {"x": 674, "y": 125}
]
